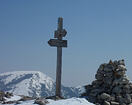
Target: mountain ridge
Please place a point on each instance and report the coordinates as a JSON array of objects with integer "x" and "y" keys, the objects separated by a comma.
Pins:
[{"x": 33, "y": 83}]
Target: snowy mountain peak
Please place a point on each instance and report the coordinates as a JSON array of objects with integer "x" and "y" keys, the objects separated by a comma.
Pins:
[
  {"x": 36, "y": 75},
  {"x": 32, "y": 83},
  {"x": 25, "y": 82}
]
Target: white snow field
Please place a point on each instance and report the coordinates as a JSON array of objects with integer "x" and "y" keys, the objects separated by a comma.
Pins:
[
  {"x": 71, "y": 101},
  {"x": 13, "y": 98}
]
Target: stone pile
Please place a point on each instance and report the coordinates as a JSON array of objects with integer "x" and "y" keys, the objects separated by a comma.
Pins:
[{"x": 111, "y": 86}]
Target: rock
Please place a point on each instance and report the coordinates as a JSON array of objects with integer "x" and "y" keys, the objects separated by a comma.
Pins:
[
  {"x": 99, "y": 76},
  {"x": 101, "y": 68},
  {"x": 2, "y": 98},
  {"x": 25, "y": 98},
  {"x": 92, "y": 99},
  {"x": 41, "y": 101},
  {"x": 9, "y": 102},
  {"x": 122, "y": 104},
  {"x": 88, "y": 87},
  {"x": 120, "y": 99},
  {"x": 105, "y": 96},
  {"x": 117, "y": 90},
  {"x": 17, "y": 102},
  {"x": 8, "y": 95},
  {"x": 120, "y": 81},
  {"x": 94, "y": 92},
  {"x": 107, "y": 80},
  {"x": 114, "y": 103},
  {"x": 97, "y": 104},
  {"x": 115, "y": 63},
  {"x": 121, "y": 62},
  {"x": 119, "y": 73},
  {"x": 95, "y": 83},
  {"x": 121, "y": 67},
  {"x": 106, "y": 69},
  {"x": 106, "y": 103},
  {"x": 126, "y": 89},
  {"x": 2, "y": 95},
  {"x": 110, "y": 62},
  {"x": 128, "y": 98},
  {"x": 109, "y": 74}
]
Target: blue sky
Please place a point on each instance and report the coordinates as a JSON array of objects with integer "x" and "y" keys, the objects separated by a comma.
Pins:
[{"x": 97, "y": 31}]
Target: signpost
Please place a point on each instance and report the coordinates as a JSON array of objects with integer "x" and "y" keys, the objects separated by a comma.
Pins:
[{"x": 59, "y": 43}]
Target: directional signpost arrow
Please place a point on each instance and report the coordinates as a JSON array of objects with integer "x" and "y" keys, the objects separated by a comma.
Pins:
[{"x": 59, "y": 43}]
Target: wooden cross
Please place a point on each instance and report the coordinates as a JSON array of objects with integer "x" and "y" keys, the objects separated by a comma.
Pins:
[{"x": 59, "y": 43}]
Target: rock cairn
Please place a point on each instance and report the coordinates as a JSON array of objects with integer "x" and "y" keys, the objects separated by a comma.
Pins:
[{"x": 111, "y": 87}]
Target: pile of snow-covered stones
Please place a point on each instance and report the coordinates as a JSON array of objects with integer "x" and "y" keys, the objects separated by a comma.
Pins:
[
  {"x": 9, "y": 98},
  {"x": 111, "y": 87}
]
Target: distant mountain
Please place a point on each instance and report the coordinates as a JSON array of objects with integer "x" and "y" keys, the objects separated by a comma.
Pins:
[{"x": 33, "y": 83}]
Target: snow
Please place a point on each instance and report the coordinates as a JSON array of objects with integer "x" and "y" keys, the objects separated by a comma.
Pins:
[
  {"x": 13, "y": 98},
  {"x": 122, "y": 67},
  {"x": 31, "y": 102},
  {"x": 29, "y": 82},
  {"x": 81, "y": 89},
  {"x": 22, "y": 88},
  {"x": 71, "y": 101},
  {"x": 18, "y": 74}
]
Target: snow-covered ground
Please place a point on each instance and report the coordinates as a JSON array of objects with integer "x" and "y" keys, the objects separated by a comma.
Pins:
[
  {"x": 71, "y": 101},
  {"x": 31, "y": 102},
  {"x": 13, "y": 98}
]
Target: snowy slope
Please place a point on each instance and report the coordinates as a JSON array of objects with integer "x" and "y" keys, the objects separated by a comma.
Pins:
[
  {"x": 32, "y": 83},
  {"x": 71, "y": 101}
]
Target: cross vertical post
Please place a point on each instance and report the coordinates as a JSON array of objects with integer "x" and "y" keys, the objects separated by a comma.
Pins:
[
  {"x": 59, "y": 43},
  {"x": 59, "y": 60},
  {"x": 58, "y": 71}
]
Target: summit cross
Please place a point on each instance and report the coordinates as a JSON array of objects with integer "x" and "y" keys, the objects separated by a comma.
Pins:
[{"x": 59, "y": 43}]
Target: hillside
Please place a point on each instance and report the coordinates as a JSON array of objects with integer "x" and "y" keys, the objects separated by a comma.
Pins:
[{"x": 33, "y": 83}]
